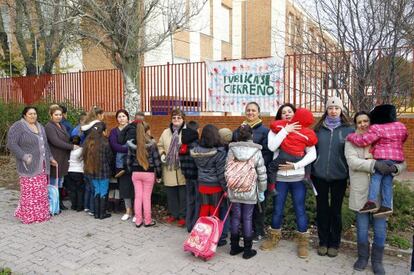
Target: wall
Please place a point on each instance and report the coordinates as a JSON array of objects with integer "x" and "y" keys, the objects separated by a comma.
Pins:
[{"x": 159, "y": 123}]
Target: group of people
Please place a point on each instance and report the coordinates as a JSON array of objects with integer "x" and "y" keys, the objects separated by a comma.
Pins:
[{"x": 198, "y": 170}]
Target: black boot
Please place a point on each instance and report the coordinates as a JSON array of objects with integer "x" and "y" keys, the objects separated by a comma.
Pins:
[
  {"x": 116, "y": 205},
  {"x": 235, "y": 246},
  {"x": 376, "y": 259},
  {"x": 248, "y": 251},
  {"x": 73, "y": 199},
  {"x": 102, "y": 207},
  {"x": 79, "y": 201},
  {"x": 61, "y": 205},
  {"x": 363, "y": 256},
  {"x": 97, "y": 207}
]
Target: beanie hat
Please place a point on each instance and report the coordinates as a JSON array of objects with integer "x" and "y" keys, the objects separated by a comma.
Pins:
[
  {"x": 334, "y": 101},
  {"x": 226, "y": 134}
]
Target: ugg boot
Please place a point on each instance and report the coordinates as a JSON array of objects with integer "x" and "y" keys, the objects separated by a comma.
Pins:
[
  {"x": 97, "y": 207},
  {"x": 303, "y": 242},
  {"x": 363, "y": 256},
  {"x": 235, "y": 246},
  {"x": 248, "y": 252},
  {"x": 377, "y": 253},
  {"x": 272, "y": 240},
  {"x": 102, "y": 208}
]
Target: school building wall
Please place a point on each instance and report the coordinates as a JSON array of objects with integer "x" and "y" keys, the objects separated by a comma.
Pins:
[{"x": 159, "y": 123}]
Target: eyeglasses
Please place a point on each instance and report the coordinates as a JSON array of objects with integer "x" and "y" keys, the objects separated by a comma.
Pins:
[{"x": 177, "y": 117}]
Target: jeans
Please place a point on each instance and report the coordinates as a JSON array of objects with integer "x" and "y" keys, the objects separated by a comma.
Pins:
[
  {"x": 143, "y": 184},
  {"x": 226, "y": 225},
  {"x": 298, "y": 194},
  {"x": 383, "y": 183},
  {"x": 59, "y": 183},
  {"x": 193, "y": 203},
  {"x": 89, "y": 202},
  {"x": 378, "y": 224},
  {"x": 328, "y": 210},
  {"x": 242, "y": 211},
  {"x": 101, "y": 187}
]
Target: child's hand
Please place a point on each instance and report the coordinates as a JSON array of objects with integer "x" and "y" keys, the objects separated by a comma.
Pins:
[{"x": 294, "y": 127}]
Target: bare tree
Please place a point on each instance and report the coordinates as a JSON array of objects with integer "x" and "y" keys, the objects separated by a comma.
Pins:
[
  {"x": 127, "y": 29},
  {"x": 359, "y": 49},
  {"x": 42, "y": 29}
]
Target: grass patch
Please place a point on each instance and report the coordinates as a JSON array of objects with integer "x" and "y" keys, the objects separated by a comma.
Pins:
[{"x": 5, "y": 271}]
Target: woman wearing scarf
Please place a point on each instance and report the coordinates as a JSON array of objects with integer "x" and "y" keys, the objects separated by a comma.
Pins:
[
  {"x": 330, "y": 175},
  {"x": 174, "y": 180},
  {"x": 260, "y": 133}
]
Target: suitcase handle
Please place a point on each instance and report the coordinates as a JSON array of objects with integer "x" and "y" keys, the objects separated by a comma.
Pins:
[{"x": 218, "y": 206}]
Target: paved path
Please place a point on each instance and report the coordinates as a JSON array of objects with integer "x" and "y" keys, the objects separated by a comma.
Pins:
[{"x": 75, "y": 243}]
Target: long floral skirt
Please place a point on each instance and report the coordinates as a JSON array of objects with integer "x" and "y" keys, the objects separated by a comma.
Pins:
[{"x": 34, "y": 203}]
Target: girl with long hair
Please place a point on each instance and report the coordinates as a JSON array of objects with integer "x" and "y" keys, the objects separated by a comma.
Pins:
[
  {"x": 97, "y": 157},
  {"x": 145, "y": 164}
]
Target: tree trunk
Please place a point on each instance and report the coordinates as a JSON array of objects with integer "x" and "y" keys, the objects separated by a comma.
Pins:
[{"x": 131, "y": 80}]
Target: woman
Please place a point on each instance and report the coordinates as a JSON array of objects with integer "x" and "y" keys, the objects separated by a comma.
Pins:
[
  {"x": 290, "y": 179},
  {"x": 361, "y": 166},
  {"x": 210, "y": 158},
  {"x": 27, "y": 141},
  {"x": 174, "y": 180},
  {"x": 145, "y": 164},
  {"x": 94, "y": 116},
  {"x": 126, "y": 189},
  {"x": 60, "y": 147},
  {"x": 330, "y": 175},
  {"x": 260, "y": 133}
]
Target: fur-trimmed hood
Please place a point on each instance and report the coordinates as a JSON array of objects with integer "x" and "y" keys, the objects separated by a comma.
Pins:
[{"x": 244, "y": 150}]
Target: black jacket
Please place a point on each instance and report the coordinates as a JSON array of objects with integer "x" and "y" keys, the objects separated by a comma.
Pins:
[
  {"x": 211, "y": 163},
  {"x": 189, "y": 139},
  {"x": 153, "y": 158}
]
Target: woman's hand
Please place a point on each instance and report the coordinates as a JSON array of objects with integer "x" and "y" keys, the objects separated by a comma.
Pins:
[
  {"x": 287, "y": 166},
  {"x": 53, "y": 162},
  {"x": 291, "y": 128}
]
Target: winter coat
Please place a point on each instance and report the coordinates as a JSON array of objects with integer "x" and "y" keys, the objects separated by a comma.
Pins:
[
  {"x": 153, "y": 158},
  {"x": 105, "y": 157},
  {"x": 118, "y": 149},
  {"x": 128, "y": 133},
  {"x": 244, "y": 151},
  {"x": 60, "y": 147},
  {"x": 189, "y": 142},
  {"x": 171, "y": 177},
  {"x": 331, "y": 163},
  {"x": 260, "y": 133},
  {"x": 295, "y": 143},
  {"x": 27, "y": 147},
  {"x": 361, "y": 166},
  {"x": 387, "y": 140},
  {"x": 210, "y": 163}
]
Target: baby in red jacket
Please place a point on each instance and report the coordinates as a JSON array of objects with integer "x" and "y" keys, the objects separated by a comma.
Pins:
[{"x": 293, "y": 146}]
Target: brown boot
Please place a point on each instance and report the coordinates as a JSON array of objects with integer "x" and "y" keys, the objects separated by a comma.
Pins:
[
  {"x": 272, "y": 240},
  {"x": 303, "y": 241}
]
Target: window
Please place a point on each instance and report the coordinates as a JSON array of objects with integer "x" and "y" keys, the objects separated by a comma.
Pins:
[
  {"x": 205, "y": 15},
  {"x": 223, "y": 22}
]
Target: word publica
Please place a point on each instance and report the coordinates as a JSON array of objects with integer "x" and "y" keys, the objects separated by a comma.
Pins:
[{"x": 248, "y": 84}]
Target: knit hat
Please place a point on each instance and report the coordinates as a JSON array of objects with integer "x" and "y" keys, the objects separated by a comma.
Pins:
[
  {"x": 334, "y": 101},
  {"x": 226, "y": 134}
]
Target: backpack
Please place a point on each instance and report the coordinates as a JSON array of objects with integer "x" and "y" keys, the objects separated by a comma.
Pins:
[
  {"x": 241, "y": 176},
  {"x": 53, "y": 195}
]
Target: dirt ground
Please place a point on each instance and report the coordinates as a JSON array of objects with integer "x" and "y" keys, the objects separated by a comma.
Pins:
[{"x": 9, "y": 177}]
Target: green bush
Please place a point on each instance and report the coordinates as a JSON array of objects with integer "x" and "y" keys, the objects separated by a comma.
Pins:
[
  {"x": 402, "y": 220},
  {"x": 11, "y": 112},
  {"x": 5, "y": 271}
]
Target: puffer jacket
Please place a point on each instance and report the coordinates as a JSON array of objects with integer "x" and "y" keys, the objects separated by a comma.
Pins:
[
  {"x": 331, "y": 163},
  {"x": 244, "y": 151},
  {"x": 210, "y": 163}
]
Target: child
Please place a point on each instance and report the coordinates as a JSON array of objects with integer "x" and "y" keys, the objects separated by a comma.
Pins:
[
  {"x": 210, "y": 158},
  {"x": 97, "y": 157},
  {"x": 144, "y": 162},
  {"x": 189, "y": 139},
  {"x": 387, "y": 136},
  {"x": 244, "y": 150},
  {"x": 74, "y": 178},
  {"x": 293, "y": 146}
]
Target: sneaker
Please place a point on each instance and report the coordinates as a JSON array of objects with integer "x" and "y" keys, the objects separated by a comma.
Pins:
[
  {"x": 134, "y": 219},
  {"x": 222, "y": 242},
  {"x": 258, "y": 238},
  {"x": 369, "y": 207},
  {"x": 322, "y": 250},
  {"x": 383, "y": 212},
  {"x": 181, "y": 223},
  {"x": 332, "y": 252},
  {"x": 125, "y": 217},
  {"x": 86, "y": 209},
  {"x": 170, "y": 219},
  {"x": 90, "y": 213}
]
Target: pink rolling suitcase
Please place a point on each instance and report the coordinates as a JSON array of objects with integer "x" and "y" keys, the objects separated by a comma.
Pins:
[{"x": 203, "y": 239}]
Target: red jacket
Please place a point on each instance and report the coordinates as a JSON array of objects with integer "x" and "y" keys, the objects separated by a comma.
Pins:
[{"x": 295, "y": 143}]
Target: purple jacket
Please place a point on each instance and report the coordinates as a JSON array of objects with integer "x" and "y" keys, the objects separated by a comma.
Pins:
[{"x": 119, "y": 150}]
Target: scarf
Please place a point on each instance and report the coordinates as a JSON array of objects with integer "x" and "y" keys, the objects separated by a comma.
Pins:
[
  {"x": 173, "y": 159},
  {"x": 332, "y": 122},
  {"x": 252, "y": 124}
]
